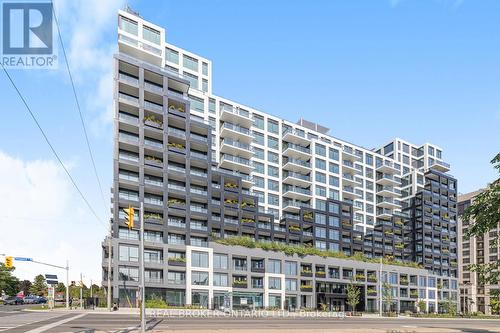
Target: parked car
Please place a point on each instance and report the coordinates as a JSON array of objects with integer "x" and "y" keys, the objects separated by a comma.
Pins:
[
  {"x": 42, "y": 300},
  {"x": 13, "y": 300},
  {"x": 31, "y": 299}
]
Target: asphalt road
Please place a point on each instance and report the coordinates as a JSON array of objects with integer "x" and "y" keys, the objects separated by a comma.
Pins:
[{"x": 57, "y": 322}]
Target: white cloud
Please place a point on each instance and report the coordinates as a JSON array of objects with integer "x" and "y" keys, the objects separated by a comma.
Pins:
[{"x": 43, "y": 217}]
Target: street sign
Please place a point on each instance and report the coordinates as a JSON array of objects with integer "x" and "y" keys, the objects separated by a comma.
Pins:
[
  {"x": 22, "y": 259},
  {"x": 51, "y": 282},
  {"x": 51, "y": 276}
]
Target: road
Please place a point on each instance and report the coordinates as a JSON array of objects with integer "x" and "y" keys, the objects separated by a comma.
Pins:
[{"x": 13, "y": 321}]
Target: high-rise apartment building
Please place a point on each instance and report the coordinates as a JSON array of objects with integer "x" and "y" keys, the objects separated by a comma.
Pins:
[
  {"x": 474, "y": 295},
  {"x": 210, "y": 168}
]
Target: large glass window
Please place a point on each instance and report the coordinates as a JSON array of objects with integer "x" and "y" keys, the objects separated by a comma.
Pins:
[
  {"x": 273, "y": 171},
  {"x": 272, "y": 126},
  {"x": 333, "y": 167},
  {"x": 220, "y": 280},
  {"x": 273, "y": 199},
  {"x": 334, "y": 154},
  {"x": 220, "y": 261},
  {"x": 272, "y": 142},
  {"x": 290, "y": 284},
  {"x": 190, "y": 62},
  {"x": 199, "y": 278},
  {"x": 320, "y": 232},
  {"x": 320, "y": 177},
  {"x": 151, "y": 35},
  {"x": 320, "y": 164},
  {"x": 204, "y": 68},
  {"x": 274, "y": 266},
  {"x": 199, "y": 259},
  {"x": 176, "y": 277},
  {"x": 196, "y": 104},
  {"x": 333, "y": 221},
  {"x": 273, "y": 157},
  {"x": 258, "y": 121},
  {"x": 129, "y": 253},
  {"x": 258, "y": 138},
  {"x": 126, "y": 233},
  {"x": 128, "y": 273},
  {"x": 273, "y": 185},
  {"x": 128, "y": 25},
  {"x": 333, "y": 234},
  {"x": 320, "y": 150},
  {"x": 258, "y": 153},
  {"x": 193, "y": 80},
  {"x": 274, "y": 283},
  {"x": 290, "y": 268}
]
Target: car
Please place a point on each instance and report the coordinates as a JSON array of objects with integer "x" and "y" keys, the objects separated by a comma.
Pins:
[
  {"x": 13, "y": 300},
  {"x": 31, "y": 300},
  {"x": 42, "y": 300}
]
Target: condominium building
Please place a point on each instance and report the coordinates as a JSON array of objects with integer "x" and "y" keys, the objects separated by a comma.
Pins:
[
  {"x": 474, "y": 295},
  {"x": 208, "y": 168}
]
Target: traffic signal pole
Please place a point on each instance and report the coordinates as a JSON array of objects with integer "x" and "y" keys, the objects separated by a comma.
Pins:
[
  {"x": 141, "y": 262},
  {"x": 109, "y": 264}
]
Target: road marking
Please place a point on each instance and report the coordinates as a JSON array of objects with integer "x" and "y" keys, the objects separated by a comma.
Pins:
[
  {"x": 409, "y": 326},
  {"x": 55, "y": 324}
]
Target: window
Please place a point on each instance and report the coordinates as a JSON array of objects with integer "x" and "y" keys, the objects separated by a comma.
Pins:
[
  {"x": 199, "y": 278},
  {"x": 204, "y": 85},
  {"x": 258, "y": 153},
  {"x": 126, "y": 233},
  {"x": 273, "y": 185},
  {"x": 334, "y": 208},
  {"x": 128, "y": 25},
  {"x": 422, "y": 281},
  {"x": 273, "y": 157},
  {"x": 273, "y": 171},
  {"x": 258, "y": 121},
  {"x": 333, "y": 167},
  {"x": 273, "y": 199},
  {"x": 193, "y": 81},
  {"x": 334, "y": 235},
  {"x": 320, "y": 177},
  {"x": 369, "y": 159},
  {"x": 190, "y": 62},
  {"x": 272, "y": 142},
  {"x": 272, "y": 126},
  {"x": 274, "y": 283},
  {"x": 290, "y": 284},
  {"x": 320, "y": 218},
  {"x": 431, "y": 151},
  {"x": 151, "y": 35},
  {"x": 432, "y": 294},
  {"x": 258, "y": 167},
  {"x": 274, "y": 266},
  {"x": 129, "y": 253},
  {"x": 320, "y": 164},
  {"x": 432, "y": 282},
  {"x": 334, "y": 194},
  {"x": 321, "y": 191},
  {"x": 290, "y": 268},
  {"x": 204, "y": 68},
  {"x": 128, "y": 273},
  {"x": 257, "y": 282},
  {"x": 320, "y": 232},
  {"x": 176, "y": 277},
  {"x": 334, "y": 154},
  {"x": 333, "y": 221},
  {"x": 220, "y": 280},
  {"x": 220, "y": 261},
  {"x": 334, "y": 181},
  {"x": 321, "y": 245},
  {"x": 320, "y": 150},
  {"x": 320, "y": 204},
  {"x": 199, "y": 259},
  {"x": 196, "y": 104},
  {"x": 258, "y": 138},
  {"x": 258, "y": 181}
]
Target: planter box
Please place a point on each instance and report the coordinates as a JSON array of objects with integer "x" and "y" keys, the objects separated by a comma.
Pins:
[
  {"x": 153, "y": 163},
  {"x": 153, "y": 124},
  {"x": 242, "y": 286},
  {"x": 296, "y": 232},
  {"x": 153, "y": 220},
  {"x": 177, "y": 263},
  {"x": 306, "y": 289},
  {"x": 248, "y": 224},
  {"x": 320, "y": 275},
  {"x": 306, "y": 274},
  {"x": 258, "y": 270}
]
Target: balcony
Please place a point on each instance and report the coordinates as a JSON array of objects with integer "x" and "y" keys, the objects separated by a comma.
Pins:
[
  {"x": 389, "y": 203},
  {"x": 153, "y": 87},
  {"x": 296, "y": 192},
  {"x": 234, "y": 147},
  {"x": 128, "y": 79},
  {"x": 388, "y": 191},
  {"x": 440, "y": 166},
  {"x": 387, "y": 180},
  {"x": 153, "y": 107},
  {"x": 349, "y": 193},
  {"x": 296, "y": 151},
  {"x": 236, "y": 163},
  {"x": 349, "y": 155},
  {"x": 236, "y": 132},
  {"x": 348, "y": 167},
  {"x": 295, "y": 164},
  {"x": 294, "y": 205},
  {"x": 178, "y": 133},
  {"x": 387, "y": 167},
  {"x": 349, "y": 179},
  {"x": 384, "y": 213},
  {"x": 128, "y": 99},
  {"x": 295, "y": 178},
  {"x": 235, "y": 115},
  {"x": 295, "y": 136}
]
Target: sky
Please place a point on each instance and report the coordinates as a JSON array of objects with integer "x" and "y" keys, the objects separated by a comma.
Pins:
[{"x": 421, "y": 70}]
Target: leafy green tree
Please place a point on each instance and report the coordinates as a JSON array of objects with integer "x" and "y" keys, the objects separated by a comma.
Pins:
[
  {"x": 60, "y": 287},
  {"x": 39, "y": 286},
  {"x": 387, "y": 296},
  {"x": 25, "y": 286},
  {"x": 353, "y": 294},
  {"x": 484, "y": 213},
  {"x": 9, "y": 284},
  {"x": 449, "y": 306},
  {"x": 422, "y": 306}
]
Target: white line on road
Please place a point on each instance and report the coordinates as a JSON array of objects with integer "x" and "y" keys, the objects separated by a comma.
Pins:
[{"x": 55, "y": 324}]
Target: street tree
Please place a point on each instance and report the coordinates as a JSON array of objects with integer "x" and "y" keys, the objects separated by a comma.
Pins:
[
  {"x": 25, "y": 286},
  {"x": 39, "y": 287},
  {"x": 60, "y": 287},
  {"x": 387, "y": 296},
  {"x": 422, "y": 306},
  {"x": 353, "y": 294},
  {"x": 9, "y": 284},
  {"x": 484, "y": 215}
]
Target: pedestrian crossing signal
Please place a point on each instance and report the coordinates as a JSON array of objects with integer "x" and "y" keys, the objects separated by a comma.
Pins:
[{"x": 129, "y": 216}]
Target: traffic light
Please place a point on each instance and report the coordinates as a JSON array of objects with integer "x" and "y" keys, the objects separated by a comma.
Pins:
[
  {"x": 129, "y": 216},
  {"x": 8, "y": 262}
]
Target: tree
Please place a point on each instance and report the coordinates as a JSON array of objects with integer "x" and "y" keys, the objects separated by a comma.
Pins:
[
  {"x": 60, "y": 287},
  {"x": 422, "y": 306},
  {"x": 39, "y": 287},
  {"x": 449, "y": 306},
  {"x": 9, "y": 284},
  {"x": 387, "y": 296},
  {"x": 25, "y": 286},
  {"x": 484, "y": 213},
  {"x": 353, "y": 293}
]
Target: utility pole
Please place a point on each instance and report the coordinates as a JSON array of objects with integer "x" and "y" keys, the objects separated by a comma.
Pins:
[
  {"x": 67, "y": 284},
  {"x": 109, "y": 263},
  {"x": 141, "y": 262},
  {"x": 380, "y": 289},
  {"x": 81, "y": 291}
]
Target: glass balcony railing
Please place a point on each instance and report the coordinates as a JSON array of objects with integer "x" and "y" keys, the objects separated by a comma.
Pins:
[
  {"x": 296, "y": 175},
  {"x": 237, "y": 144},
  {"x": 128, "y": 78},
  {"x": 153, "y": 106},
  {"x": 153, "y": 201},
  {"x": 176, "y": 132},
  {"x": 236, "y": 159},
  {"x": 129, "y": 98},
  {"x": 176, "y": 187},
  {"x": 296, "y": 161},
  {"x": 296, "y": 147},
  {"x": 153, "y": 87},
  {"x": 295, "y": 132},
  {"x": 297, "y": 189},
  {"x": 235, "y": 111},
  {"x": 236, "y": 128}
]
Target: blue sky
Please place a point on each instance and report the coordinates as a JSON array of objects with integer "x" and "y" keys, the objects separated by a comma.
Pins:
[{"x": 425, "y": 71}]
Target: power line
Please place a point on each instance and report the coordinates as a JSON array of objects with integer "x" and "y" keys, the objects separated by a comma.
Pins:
[
  {"x": 48, "y": 142},
  {"x": 78, "y": 107}
]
